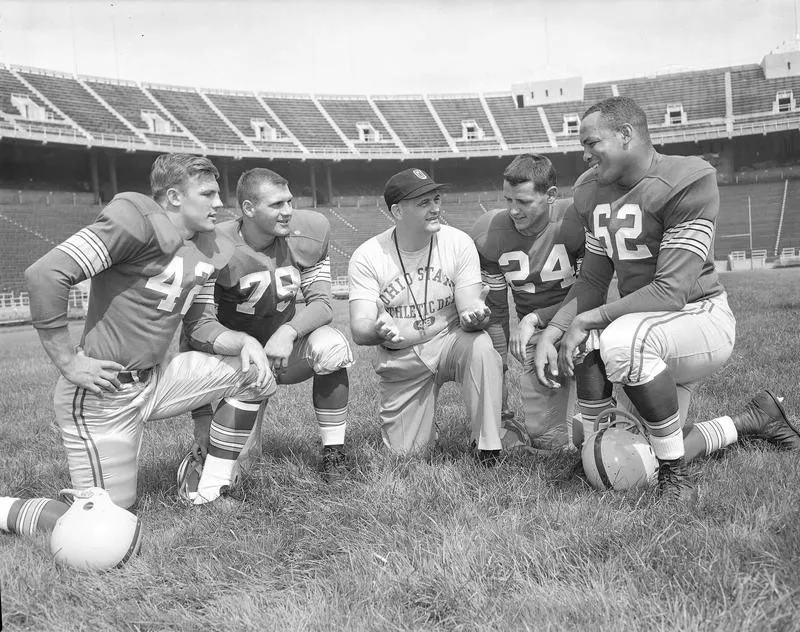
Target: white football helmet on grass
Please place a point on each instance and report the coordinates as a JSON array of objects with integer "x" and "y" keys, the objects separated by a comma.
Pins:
[{"x": 94, "y": 533}]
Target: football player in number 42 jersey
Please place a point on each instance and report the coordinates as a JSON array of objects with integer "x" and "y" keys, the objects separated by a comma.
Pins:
[
  {"x": 278, "y": 251},
  {"x": 651, "y": 218},
  {"x": 533, "y": 246},
  {"x": 146, "y": 258}
]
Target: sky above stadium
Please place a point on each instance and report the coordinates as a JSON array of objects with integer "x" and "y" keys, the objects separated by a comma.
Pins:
[{"x": 388, "y": 46}]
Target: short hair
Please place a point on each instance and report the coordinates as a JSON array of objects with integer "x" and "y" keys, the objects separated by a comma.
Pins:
[
  {"x": 247, "y": 188},
  {"x": 617, "y": 111},
  {"x": 531, "y": 168},
  {"x": 173, "y": 170}
]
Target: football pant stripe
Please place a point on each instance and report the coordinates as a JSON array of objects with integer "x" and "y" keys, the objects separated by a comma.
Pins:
[
  {"x": 83, "y": 432},
  {"x": 643, "y": 330}
]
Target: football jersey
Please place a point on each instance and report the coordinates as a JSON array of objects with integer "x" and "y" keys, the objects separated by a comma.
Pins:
[
  {"x": 538, "y": 269},
  {"x": 143, "y": 277},
  {"x": 256, "y": 292},
  {"x": 670, "y": 212}
]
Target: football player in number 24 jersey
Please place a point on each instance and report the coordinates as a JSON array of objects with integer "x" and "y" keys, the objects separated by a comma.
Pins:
[{"x": 534, "y": 246}]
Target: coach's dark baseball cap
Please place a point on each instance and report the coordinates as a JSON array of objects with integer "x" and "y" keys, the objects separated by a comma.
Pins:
[{"x": 410, "y": 183}]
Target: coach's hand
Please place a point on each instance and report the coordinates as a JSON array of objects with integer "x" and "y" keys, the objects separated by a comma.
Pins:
[
  {"x": 476, "y": 318},
  {"x": 518, "y": 345},
  {"x": 545, "y": 359},
  {"x": 94, "y": 375},
  {"x": 385, "y": 327},
  {"x": 279, "y": 347}
]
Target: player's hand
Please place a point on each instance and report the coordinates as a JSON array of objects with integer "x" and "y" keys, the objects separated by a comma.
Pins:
[
  {"x": 94, "y": 375},
  {"x": 518, "y": 344},
  {"x": 576, "y": 335},
  {"x": 202, "y": 435},
  {"x": 385, "y": 327},
  {"x": 545, "y": 358},
  {"x": 476, "y": 318},
  {"x": 279, "y": 347},
  {"x": 252, "y": 356}
]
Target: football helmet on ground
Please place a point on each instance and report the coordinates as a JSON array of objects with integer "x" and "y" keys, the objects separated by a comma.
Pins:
[
  {"x": 94, "y": 533},
  {"x": 618, "y": 455}
]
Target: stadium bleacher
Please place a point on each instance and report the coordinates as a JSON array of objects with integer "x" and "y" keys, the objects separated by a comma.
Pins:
[
  {"x": 308, "y": 124},
  {"x": 197, "y": 117},
  {"x": 77, "y": 103},
  {"x": 413, "y": 123},
  {"x": 520, "y": 127},
  {"x": 453, "y": 111},
  {"x": 10, "y": 86}
]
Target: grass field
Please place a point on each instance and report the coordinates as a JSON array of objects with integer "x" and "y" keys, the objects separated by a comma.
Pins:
[{"x": 427, "y": 544}]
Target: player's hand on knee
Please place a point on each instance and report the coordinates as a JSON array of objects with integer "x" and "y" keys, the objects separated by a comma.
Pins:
[
  {"x": 253, "y": 357},
  {"x": 545, "y": 358},
  {"x": 385, "y": 327},
  {"x": 570, "y": 346},
  {"x": 279, "y": 347},
  {"x": 94, "y": 375},
  {"x": 518, "y": 344}
]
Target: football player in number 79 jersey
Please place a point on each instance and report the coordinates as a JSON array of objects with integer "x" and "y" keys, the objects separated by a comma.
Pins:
[
  {"x": 534, "y": 246},
  {"x": 146, "y": 258},
  {"x": 650, "y": 218},
  {"x": 278, "y": 252}
]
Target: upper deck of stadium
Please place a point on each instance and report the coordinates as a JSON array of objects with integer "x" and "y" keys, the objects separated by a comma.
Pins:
[{"x": 53, "y": 107}]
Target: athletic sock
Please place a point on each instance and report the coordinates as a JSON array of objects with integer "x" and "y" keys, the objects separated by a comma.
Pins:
[
  {"x": 717, "y": 433},
  {"x": 230, "y": 428},
  {"x": 26, "y": 517},
  {"x": 330, "y": 394}
]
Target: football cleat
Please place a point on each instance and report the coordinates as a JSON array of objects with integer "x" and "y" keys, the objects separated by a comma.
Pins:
[
  {"x": 333, "y": 463},
  {"x": 189, "y": 472},
  {"x": 674, "y": 484},
  {"x": 618, "y": 456},
  {"x": 764, "y": 417},
  {"x": 94, "y": 533},
  {"x": 513, "y": 434}
]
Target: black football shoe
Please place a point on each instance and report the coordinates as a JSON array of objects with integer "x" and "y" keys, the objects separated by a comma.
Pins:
[
  {"x": 332, "y": 468},
  {"x": 764, "y": 417},
  {"x": 674, "y": 484}
]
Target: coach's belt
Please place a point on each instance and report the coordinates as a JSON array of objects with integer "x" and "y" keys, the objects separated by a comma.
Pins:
[{"x": 133, "y": 377}]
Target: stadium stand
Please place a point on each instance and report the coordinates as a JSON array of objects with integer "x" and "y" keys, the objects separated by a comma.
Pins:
[
  {"x": 790, "y": 230},
  {"x": 195, "y": 115},
  {"x": 455, "y": 112},
  {"x": 700, "y": 93},
  {"x": 73, "y": 100},
  {"x": 11, "y": 89},
  {"x": 245, "y": 112},
  {"x": 350, "y": 113},
  {"x": 413, "y": 123},
  {"x": 753, "y": 93},
  {"x": 520, "y": 127},
  {"x": 306, "y": 122}
]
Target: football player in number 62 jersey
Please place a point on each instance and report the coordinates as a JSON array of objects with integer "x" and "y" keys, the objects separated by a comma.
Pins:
[{"x": 650, "y": 218}]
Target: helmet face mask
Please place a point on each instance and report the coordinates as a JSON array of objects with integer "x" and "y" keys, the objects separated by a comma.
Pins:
[
  {"x": 619, "y": 457},
  {"x": 94, "y": 533}
]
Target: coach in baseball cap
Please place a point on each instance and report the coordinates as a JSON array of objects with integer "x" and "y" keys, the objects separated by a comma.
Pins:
[{"x": 416, "y": 295}]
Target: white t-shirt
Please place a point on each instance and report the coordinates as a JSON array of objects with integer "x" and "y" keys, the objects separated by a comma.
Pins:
[{"x": 376, "y": 273}]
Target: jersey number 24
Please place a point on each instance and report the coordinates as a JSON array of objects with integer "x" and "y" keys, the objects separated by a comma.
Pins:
[{"x": 557, "y": 267}]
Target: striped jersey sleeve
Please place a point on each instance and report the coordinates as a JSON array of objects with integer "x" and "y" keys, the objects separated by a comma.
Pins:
[
  {"x": 88, "y": 251},
  {"x": 594, "y": 245},
  {"x": 694, "y": 235},
  {"x": 321, "y": 271}
]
